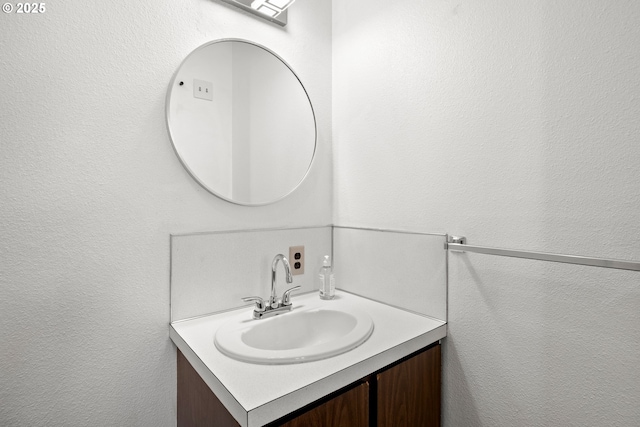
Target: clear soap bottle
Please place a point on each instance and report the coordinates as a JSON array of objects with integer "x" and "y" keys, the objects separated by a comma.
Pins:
[{"x": 326, "y": 282}]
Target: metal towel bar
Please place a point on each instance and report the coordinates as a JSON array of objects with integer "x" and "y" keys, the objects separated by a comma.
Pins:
[{"x": 456, "y": 243}]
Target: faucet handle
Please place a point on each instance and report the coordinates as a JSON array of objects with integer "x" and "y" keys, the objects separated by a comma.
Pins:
[
  {"x": 261, "y": 305},
  {"x": 286, "y": 297}
]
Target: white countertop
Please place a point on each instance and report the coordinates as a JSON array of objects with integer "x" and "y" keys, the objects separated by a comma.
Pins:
[{"x": 256, "y": 394}]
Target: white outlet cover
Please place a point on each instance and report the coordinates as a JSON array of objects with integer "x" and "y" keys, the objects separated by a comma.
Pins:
[
  {"x": 203, "y": 89},
  {"x": 292, "y": 259}
]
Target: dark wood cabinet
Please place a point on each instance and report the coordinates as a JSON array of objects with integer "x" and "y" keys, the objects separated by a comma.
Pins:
[
  {"x": 409, "y": 392},
  {"x": 404, "y": 394},
  {"x": 198, "y": 406},
  {"x": 347, "y": 409}
]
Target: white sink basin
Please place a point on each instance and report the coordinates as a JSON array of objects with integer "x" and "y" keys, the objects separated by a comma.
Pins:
[{"x": 302, "y": 335}]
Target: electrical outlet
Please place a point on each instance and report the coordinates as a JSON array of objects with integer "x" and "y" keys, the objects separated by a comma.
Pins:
[
  {"x": 202, "y": 89},
  {"x": 296, "y": 259}
]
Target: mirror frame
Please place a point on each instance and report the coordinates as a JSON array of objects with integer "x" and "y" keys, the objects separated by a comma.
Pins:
[{"x": 184, "y": 164}]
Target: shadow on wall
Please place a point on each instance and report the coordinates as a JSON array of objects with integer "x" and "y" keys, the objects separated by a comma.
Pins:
[
  {"x": 456, "y": 390},
  {"x": 492, "y": 357}
]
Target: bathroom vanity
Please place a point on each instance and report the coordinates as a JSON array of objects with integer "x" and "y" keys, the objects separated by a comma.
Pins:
[
  {"x": 406, "y": 393},
  {"x": 349, "y": 361},
  {"x": 391, "y": 379}
]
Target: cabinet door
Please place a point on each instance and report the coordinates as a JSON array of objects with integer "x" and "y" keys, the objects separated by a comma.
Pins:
[
  {"x": 349, "y": 409},
  {"x": 409, "y": 393}
]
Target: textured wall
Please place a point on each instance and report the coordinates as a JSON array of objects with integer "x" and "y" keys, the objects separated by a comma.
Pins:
[
  {"x": 515, "y": 123},
  {"x": 90, "y": 190}
]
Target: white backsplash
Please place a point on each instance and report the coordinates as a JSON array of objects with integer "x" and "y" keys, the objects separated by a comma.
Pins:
[
  {"x": 407, "y": 270},
  {"x": 211, "y": 272}
]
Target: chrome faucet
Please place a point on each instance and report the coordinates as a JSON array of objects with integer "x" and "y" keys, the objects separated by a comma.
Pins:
[
  {"x": 273, "y": 300},
  {"x": 274, "y": 306}
]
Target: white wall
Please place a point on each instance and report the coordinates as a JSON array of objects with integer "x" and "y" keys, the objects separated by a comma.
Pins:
[
  {"x": 515, "y": 123},
  {"x": 91, "y": 190}
]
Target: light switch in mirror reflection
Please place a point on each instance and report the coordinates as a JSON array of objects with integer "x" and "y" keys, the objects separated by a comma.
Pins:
[{"x": 251, "y": 141}]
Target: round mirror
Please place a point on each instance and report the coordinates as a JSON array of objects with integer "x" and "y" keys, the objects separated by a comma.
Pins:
[{"x": 241, "y": 122}]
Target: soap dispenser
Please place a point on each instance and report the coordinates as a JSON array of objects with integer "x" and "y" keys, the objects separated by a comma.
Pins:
[{"x": 326, "y": 282}]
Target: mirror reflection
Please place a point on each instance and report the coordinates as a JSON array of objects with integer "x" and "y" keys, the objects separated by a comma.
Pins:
[{"x": 241, "y": 122}]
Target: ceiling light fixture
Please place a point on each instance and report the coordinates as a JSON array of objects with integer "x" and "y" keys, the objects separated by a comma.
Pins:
[{"x": 271, "y": 10}]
